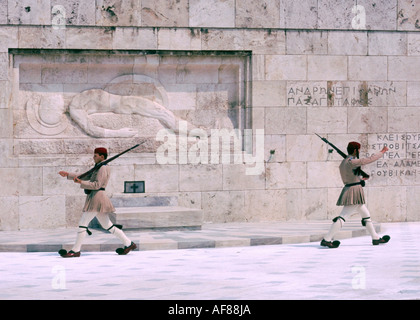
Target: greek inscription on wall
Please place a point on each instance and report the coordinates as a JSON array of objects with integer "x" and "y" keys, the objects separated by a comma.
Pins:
[
  {"x": 403, "y": 157},
  {"x": 346, "y": 94}
]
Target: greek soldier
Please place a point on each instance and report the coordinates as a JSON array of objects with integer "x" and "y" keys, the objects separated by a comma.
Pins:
[
  {"x": 97, "y": 205},
  {"x": 352, "y": 196}
]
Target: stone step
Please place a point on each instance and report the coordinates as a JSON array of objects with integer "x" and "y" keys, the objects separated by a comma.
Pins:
[
  {"x": 158, "y": 217},
  {"x": 135, "y": 200}
]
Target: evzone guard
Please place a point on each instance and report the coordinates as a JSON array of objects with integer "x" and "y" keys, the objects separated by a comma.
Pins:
[
  {"x": 97, "y": 203},
  {"x": 352, "y": 196}
]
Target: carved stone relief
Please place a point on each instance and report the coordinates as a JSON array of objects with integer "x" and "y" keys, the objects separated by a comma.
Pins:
[{"x": 64, "y": 97}]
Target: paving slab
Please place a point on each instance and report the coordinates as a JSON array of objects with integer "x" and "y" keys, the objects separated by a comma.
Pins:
[{"x": 210, "y": 236}]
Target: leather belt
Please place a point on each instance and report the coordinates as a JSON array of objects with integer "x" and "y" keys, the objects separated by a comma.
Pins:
[
  {"x": 356, "y": 183},
  {"x": 87, "y": 191}
]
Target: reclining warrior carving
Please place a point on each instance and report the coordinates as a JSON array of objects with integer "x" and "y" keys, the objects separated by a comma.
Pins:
[
  {"x": 46, "y": 114},
  {"x": 99, "y": 101}
]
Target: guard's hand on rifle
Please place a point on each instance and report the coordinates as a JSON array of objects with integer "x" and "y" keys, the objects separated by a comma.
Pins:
[{"x": 63, "y": 173}]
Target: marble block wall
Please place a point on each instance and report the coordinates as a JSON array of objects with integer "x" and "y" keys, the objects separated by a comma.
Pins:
[{"x": 283, "y": 69}]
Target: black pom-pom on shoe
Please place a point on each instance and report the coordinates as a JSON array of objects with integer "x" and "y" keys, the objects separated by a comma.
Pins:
[
  {"x": 330, "y": 244},
  {"x": 125, "y": 250},
  {"x": 384, "y": 239},
  {"x": 71, "y": 254}
]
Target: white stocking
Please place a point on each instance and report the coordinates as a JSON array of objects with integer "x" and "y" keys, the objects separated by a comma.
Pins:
[
  {"x": 81, "y": 233},
  {"x": 364, "y": 213},
  {"x": 335, "y": 227},
  {"x": 106, "y": 223}
]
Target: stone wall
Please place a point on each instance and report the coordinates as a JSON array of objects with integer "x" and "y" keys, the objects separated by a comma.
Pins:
[{"x": 347, "y": 70}]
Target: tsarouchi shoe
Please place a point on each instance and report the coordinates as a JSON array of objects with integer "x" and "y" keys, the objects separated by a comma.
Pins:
[
  {"x": 125, "y": 250},
  {"x": 70, "y": 254},
  {"x": 384, "y": 239},
  {"x": 330, "y": 244}
]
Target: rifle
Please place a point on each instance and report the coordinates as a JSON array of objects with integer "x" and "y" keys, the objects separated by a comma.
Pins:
[
  {"x": 97, "y": 166},
  {"x": 358, "y": 171}
]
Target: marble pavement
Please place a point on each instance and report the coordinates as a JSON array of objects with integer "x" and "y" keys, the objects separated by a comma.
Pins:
[
  {"x": 357, "y": 270},
  {"x": 216, "y": 235}
]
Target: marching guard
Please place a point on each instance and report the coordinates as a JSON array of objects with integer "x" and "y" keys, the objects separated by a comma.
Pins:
[
  {"x": 97, "y": 205},
  {"x": 352, "y": 196}
]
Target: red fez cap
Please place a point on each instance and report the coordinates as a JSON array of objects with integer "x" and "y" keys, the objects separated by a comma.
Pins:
[
  {"x": 353, "y": 146},
  {"x": 101, "y": 151}
]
